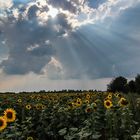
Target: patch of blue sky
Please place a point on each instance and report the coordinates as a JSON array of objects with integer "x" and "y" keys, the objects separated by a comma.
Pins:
[{"x": 22, "y": 1}]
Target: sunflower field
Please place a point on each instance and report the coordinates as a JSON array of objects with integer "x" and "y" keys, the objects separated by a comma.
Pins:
[{"x": 69, "y": 116}]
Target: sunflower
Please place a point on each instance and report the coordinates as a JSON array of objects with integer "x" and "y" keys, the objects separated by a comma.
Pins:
[
  {"x": 78, "y": 99},
  {"x": 79, "y": 103},
  {"x": 32, "y": 96},
  {"x": 3, "y": 123},
  {"x": 87, "y": 96},
  {"x": 123, "y": 102},
  {"x": 10, "y": 115},
  {"x": 38, "y": 98},
  {"x": 39, "y": 106},
  {"x": 108, "y": 104},
  {"x": 29, "y": 138},
  {"x": 28, "y": 107},
  {"x": 109, "y": 96},
  {"x": 88, "y": 110},
  {"x": 116, "y": 94},
  {"x": 43, "y": 107},
  {"x": 87, "y": 101},
  {"x": 19, "y": 100}
]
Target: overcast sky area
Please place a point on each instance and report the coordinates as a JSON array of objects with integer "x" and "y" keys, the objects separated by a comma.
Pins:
[{"x": 67, "y": 44}]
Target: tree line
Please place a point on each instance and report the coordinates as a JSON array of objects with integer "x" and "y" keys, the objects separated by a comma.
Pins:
[{"x": 121, "y": 84}]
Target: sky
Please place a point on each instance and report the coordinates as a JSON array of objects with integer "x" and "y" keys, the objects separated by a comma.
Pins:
[{"x": 67, "y": 44}]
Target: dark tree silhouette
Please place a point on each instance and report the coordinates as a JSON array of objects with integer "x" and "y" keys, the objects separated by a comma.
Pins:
[
  {"x": 137, "y": 83},
  {"x": 118, "y": 84},
  {"x": 131, "y": 86}
]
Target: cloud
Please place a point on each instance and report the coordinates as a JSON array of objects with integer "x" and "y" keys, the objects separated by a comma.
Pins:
[
  {"x": 53, "y": 70},
  {"x": 26, "y": 32},
  {"x": 4, "y": 4},
  {"x": 65, "y": 5},
  {"x": 20, "y": 60},
  {"x": 32, "y": 12},
  {"x": 105, "y": 49},
  {"x": 82, "y": 38}
]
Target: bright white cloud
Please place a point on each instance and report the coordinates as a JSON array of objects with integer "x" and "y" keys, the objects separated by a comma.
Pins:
[
  {"x": 84, "y": 13},
  {"x": 52, "y": 11},
  {"x": 4, "y": 4},
  {"x": 53, "y": 70}
]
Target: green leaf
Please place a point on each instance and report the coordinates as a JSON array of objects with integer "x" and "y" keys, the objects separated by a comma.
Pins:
[
  {"x": 95, "y": 136},
  {"x": 62, "y": 132},
  {"x": 73, "y": 129}
]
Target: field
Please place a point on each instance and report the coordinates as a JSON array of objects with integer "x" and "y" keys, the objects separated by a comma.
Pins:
[{"x": 69, "y": 116}]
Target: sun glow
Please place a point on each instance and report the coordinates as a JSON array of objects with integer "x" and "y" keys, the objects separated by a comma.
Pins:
[{"x": 52, "y": 12}]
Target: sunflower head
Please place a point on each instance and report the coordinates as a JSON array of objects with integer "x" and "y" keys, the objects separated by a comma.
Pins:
[
  {"x": 43, "y": 107},
  {"x": 19, "y": 100},
  {"x": 79, "y": 103},
  {"x": 88, "y": 110},
  {"x": 3, "y": 123},
  {"x": 28, "y": 107},
  {"x": 10, "y": 115},
  {"x": 108, "y": 104},
  {"x": 109, "y": 96},
  {"x": 88, "y": 96},
  {"x": 123, "y": 102},
  {"x": 38, "y": 98},
  {"x": 39, "y": 106},
  {"x": 32, "y": 96},
  {"x": 86, "y": 101}
]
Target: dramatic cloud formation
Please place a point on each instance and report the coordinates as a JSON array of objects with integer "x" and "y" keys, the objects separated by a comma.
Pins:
[{"x": 70, "y": 39}]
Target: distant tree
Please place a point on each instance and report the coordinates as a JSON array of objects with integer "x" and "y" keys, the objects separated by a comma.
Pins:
[
  {"x": 131, "y": 86},
  {"x": 137, "y": 83},
  {"x": 42, "y": 91},
  {"x": 118, "y": 84}
]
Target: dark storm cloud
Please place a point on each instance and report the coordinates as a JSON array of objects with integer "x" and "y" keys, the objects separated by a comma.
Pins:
[
  {"x": 42, "y": 50},
  {"x": 22, "y": 34},
  {"x": 32, "y": 12}
]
